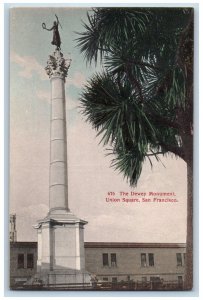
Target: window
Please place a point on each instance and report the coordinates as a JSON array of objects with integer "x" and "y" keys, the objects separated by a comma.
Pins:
[
  {"x": 105, "y": 278},
  {"x": 180, "y": 279},
  {"x": 151, "y": 259},
  {"x": 147, "y": 259},
  {"x": 155, "y": 279},
  {"x": 179, "y": 259},
  {"x": 20, "y": 261},
  {"x": 144, "y": 281},
  {"x": 30, "y": 260},
  {"x": 113, "y": 259},
  {"x": 105, "y": 259},
  {"x": 143, "y": 260},
  {"x": 114, "y": 279}
]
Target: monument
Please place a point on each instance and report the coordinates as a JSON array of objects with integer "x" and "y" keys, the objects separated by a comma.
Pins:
[{"x": 61, "y": 258}]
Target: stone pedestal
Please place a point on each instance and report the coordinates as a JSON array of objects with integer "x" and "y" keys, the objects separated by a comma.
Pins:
[
  {"x": 61, "y": 243},
  {"x": 61, "y": 258}
]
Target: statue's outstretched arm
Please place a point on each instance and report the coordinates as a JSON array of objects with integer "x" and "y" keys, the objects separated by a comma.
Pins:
[
  {"x": 49, "y": 29},
  {"x": 44, "y": 27}
]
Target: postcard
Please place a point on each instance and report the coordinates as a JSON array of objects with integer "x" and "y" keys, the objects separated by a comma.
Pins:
[{"x": 101, "y": 148}]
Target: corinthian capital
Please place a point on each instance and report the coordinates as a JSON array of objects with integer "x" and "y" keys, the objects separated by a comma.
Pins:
[{"x": 57, "y": 65}]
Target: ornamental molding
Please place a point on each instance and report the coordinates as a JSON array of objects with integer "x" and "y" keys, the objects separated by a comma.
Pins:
[{"x": 57, "y": 65}]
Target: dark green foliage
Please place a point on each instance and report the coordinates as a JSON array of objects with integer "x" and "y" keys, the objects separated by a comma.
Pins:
[{"x": 141, "y": 104}]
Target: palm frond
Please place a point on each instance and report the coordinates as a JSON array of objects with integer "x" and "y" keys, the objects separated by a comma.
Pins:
[{"x": 139, "y": 103}]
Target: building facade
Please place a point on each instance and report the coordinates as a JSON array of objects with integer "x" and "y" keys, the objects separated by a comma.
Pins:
[
  {"x": 142, "y": 262},
  {"x": 111, "y": 263},
  {"x": 23, "y": 262}
]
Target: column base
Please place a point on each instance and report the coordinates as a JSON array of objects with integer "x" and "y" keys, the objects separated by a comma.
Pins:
[
  {"x": 60, "y": 214},
  {"x": 60, "y": 242},
  {"x": 61, "y": 280}
]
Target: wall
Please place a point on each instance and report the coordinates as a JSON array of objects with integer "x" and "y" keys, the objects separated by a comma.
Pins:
[
  {"x": 19, "y": 275},
  {"x": 129, "y": 262}
]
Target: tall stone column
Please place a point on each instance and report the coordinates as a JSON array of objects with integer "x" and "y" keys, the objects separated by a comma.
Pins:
[
  {"x": 61, "y": 257},
  {"x": 57, "y": 70}
]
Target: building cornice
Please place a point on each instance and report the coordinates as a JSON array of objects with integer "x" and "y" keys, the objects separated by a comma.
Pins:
[
  {"x": 23, "y": 244},
  {"x": 111, "y": 245},
  {"x": 133, "y": 245}
]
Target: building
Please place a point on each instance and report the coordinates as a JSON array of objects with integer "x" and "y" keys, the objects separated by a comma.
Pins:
[
  {"x": 23, "y": 262},
  {"x": 142, "y": 262},
  {"x": 112, "y": 263}
]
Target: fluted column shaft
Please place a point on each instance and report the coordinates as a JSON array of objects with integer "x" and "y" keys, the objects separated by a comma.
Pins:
[
  {"x": 58, "y": 194},
  {"x": 57, "y": 68}
]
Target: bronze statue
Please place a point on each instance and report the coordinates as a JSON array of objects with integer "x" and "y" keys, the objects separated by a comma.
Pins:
[{"x": 56, "y": 36}]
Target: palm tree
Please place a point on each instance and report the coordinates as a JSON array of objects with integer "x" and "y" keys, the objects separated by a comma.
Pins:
[{"x": 142, "y": 102}]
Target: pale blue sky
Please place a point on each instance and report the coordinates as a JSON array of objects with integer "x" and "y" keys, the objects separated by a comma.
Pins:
[{"x": 90, "y": 178}]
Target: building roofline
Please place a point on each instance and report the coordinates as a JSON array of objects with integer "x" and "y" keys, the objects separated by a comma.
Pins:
[
  {"x": 133, "y": 245},
  {"x": 111, "y": 245},
  {"x": 23, "y": 244}
]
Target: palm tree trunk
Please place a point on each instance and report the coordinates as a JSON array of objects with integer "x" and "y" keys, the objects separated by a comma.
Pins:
[{"x": 188, "y": 281}]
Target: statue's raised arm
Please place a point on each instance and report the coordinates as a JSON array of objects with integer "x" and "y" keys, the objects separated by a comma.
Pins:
[
  {"x": 56, "y": 36},
  {"x": 58, "y": 21}
]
